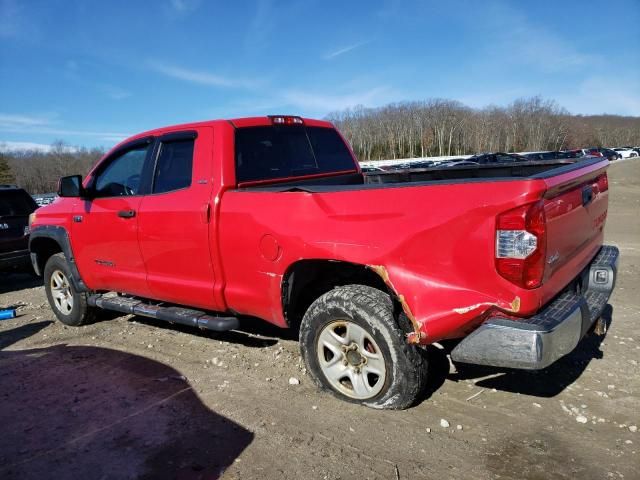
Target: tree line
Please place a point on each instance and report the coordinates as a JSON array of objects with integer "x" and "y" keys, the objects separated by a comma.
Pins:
[
  {"x": 38, "y": 171},
  {"x": 447, "y": 127}
]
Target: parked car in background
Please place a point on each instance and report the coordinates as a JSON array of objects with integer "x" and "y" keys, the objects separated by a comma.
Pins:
[
  {"x": 609, "y": 154},
  {"x": 497, "y": 157},
  {"x": 43, "y": 199},
  {"x": 412, "y": 165},
  {"x": 423, "y": 164},
  {"x": 625, "y": 152},
  {"x": 545, "y": 155},
  {"x": 15, "y": 207},
  {"x": 458, "y": 163},
  {"x": 574, "y": 153},
  {"x": 371, "y": 169},
  {"x": 562, "y": 155},
  {"x": 592, "y": 151}
]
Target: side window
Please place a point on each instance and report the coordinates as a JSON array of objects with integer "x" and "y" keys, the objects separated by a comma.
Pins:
[
  {"x": 122, "y": 175},
  {"x": 174, "y": 166}
]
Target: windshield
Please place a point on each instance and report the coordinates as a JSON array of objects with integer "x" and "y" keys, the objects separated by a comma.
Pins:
[{"x": 273, "y": 152}]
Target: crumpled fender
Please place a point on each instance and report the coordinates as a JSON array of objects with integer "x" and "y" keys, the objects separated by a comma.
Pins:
[{"x": 439, "y": 310}]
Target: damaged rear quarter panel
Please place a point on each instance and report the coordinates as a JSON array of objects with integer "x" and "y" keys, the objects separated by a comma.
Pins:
[{"x": 432, "y": 244}]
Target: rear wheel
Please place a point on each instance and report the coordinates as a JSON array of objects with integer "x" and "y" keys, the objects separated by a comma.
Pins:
[
  {"x": 69, "y": 305},
  {"x": 353, "y": 347}
]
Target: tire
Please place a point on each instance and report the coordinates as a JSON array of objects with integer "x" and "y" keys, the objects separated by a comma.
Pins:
[
  {"x": 69, "y": 305},
  {"x": 353, "y": 347}
]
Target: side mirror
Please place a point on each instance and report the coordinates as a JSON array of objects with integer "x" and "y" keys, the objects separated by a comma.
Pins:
[{"x": 70, "y": 186}]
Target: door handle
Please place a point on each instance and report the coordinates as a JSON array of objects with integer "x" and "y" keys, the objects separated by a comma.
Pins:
[{"x": 127, "y": 213}]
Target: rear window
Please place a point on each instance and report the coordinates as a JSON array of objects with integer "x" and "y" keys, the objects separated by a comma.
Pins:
[
  {"x": 16, "y": 202},
  {"x": 272, "y": 152}
]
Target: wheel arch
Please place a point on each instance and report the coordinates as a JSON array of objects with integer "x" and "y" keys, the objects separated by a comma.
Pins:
[
  {"x": 306, "y": 280},
  {"x": 47, "y": 240}
]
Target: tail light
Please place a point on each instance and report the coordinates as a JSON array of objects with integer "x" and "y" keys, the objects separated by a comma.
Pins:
[
  {"x": 286, "y": 120},
  {"x": 603, "y": 182},
  {"x": 521, "y": 245}
]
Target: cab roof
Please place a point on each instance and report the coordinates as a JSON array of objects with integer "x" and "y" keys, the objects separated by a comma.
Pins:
[{"x": 241, "y": 122}]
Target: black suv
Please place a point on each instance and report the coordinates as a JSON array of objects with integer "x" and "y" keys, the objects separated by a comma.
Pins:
[{"x": 15, "y": 207}]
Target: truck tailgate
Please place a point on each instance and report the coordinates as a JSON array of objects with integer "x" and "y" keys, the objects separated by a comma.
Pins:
[{"x": 575, "y": 206}]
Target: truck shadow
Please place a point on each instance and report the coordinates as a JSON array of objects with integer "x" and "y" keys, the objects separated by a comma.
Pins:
[
  {"x": 89, "y": 412},
  {"x": 548, "y": 382},
  {"x": 12, "y": 281},
  {"x": 253, "y": 332}
]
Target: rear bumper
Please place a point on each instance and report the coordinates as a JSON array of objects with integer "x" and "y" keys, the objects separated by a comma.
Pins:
[{"x": 536, "y": 342}]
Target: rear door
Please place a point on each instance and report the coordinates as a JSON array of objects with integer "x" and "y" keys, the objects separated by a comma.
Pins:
[
  {"x": 174, "y": 221},
  {"x": 105, "y": 225}
]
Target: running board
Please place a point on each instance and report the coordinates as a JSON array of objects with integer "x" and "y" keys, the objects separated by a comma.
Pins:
[{"x": 183, "y": 316}]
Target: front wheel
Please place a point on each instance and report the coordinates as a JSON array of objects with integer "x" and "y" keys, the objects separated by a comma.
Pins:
[
  {"x": 69, "y": 305},
  {"x": 353, "y": 347}
]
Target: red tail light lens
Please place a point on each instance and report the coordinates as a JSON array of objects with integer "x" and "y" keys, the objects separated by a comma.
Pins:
[
  {"x": 603, "y": 182},
  {"x": 521, "y": 245}
]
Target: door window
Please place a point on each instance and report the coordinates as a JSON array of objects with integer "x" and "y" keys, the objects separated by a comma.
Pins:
[
  {"x": 122, "y": 176},
  {"x": 174, "y": 166}
]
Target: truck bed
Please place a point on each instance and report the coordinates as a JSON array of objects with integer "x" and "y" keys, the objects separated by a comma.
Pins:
[{"x": 432, "y": 175}]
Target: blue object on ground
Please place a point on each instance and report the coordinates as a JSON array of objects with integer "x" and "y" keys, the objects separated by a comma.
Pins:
[{"x": 7, "y": 314}]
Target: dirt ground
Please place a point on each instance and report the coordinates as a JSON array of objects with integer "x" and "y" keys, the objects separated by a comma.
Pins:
[{"x": 135, "y": 398}]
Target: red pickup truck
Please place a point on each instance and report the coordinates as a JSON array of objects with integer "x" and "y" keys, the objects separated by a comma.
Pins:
[{"x": 271, "y": 218}]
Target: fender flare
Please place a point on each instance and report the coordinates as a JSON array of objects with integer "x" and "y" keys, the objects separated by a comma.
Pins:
[{"x": 61, "y": 237}]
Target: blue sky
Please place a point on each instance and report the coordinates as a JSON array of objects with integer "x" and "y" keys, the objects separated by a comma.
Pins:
[{"x": 92, "y": 72}]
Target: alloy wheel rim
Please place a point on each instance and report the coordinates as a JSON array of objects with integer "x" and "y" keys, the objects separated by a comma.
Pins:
[
  {"x": 61, "y": 292},
  {"x": 351, "y": 360}
]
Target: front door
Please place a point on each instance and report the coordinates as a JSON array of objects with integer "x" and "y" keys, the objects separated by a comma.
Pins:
[
  {"x": 105, "y": 225},
  {"x": 174, "y": 220}
]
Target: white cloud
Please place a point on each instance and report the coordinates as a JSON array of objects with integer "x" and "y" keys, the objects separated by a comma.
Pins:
[
  {"x": 261, "y": 25},
  {"x": 199, "y": 77},
  {"x": 8, "y": 120},
  {"x": 7, "y": 146},
  {"x": 343, "y": 50},
  {"x": 514, "y": 40},
  {"x": 62, "y": 132},
  {"x": 618, "y": 95},
  {"x": 42, "y": 125}
]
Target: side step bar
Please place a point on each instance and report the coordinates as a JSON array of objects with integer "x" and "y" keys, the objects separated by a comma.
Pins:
[{"x": 183, "y": 316}]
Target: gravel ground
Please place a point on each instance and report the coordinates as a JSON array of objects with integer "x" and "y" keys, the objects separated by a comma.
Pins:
[{"x": 134, "y": 398}]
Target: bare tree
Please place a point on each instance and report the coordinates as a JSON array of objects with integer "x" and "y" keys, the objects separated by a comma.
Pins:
[{"x": 38, "y": 171}]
